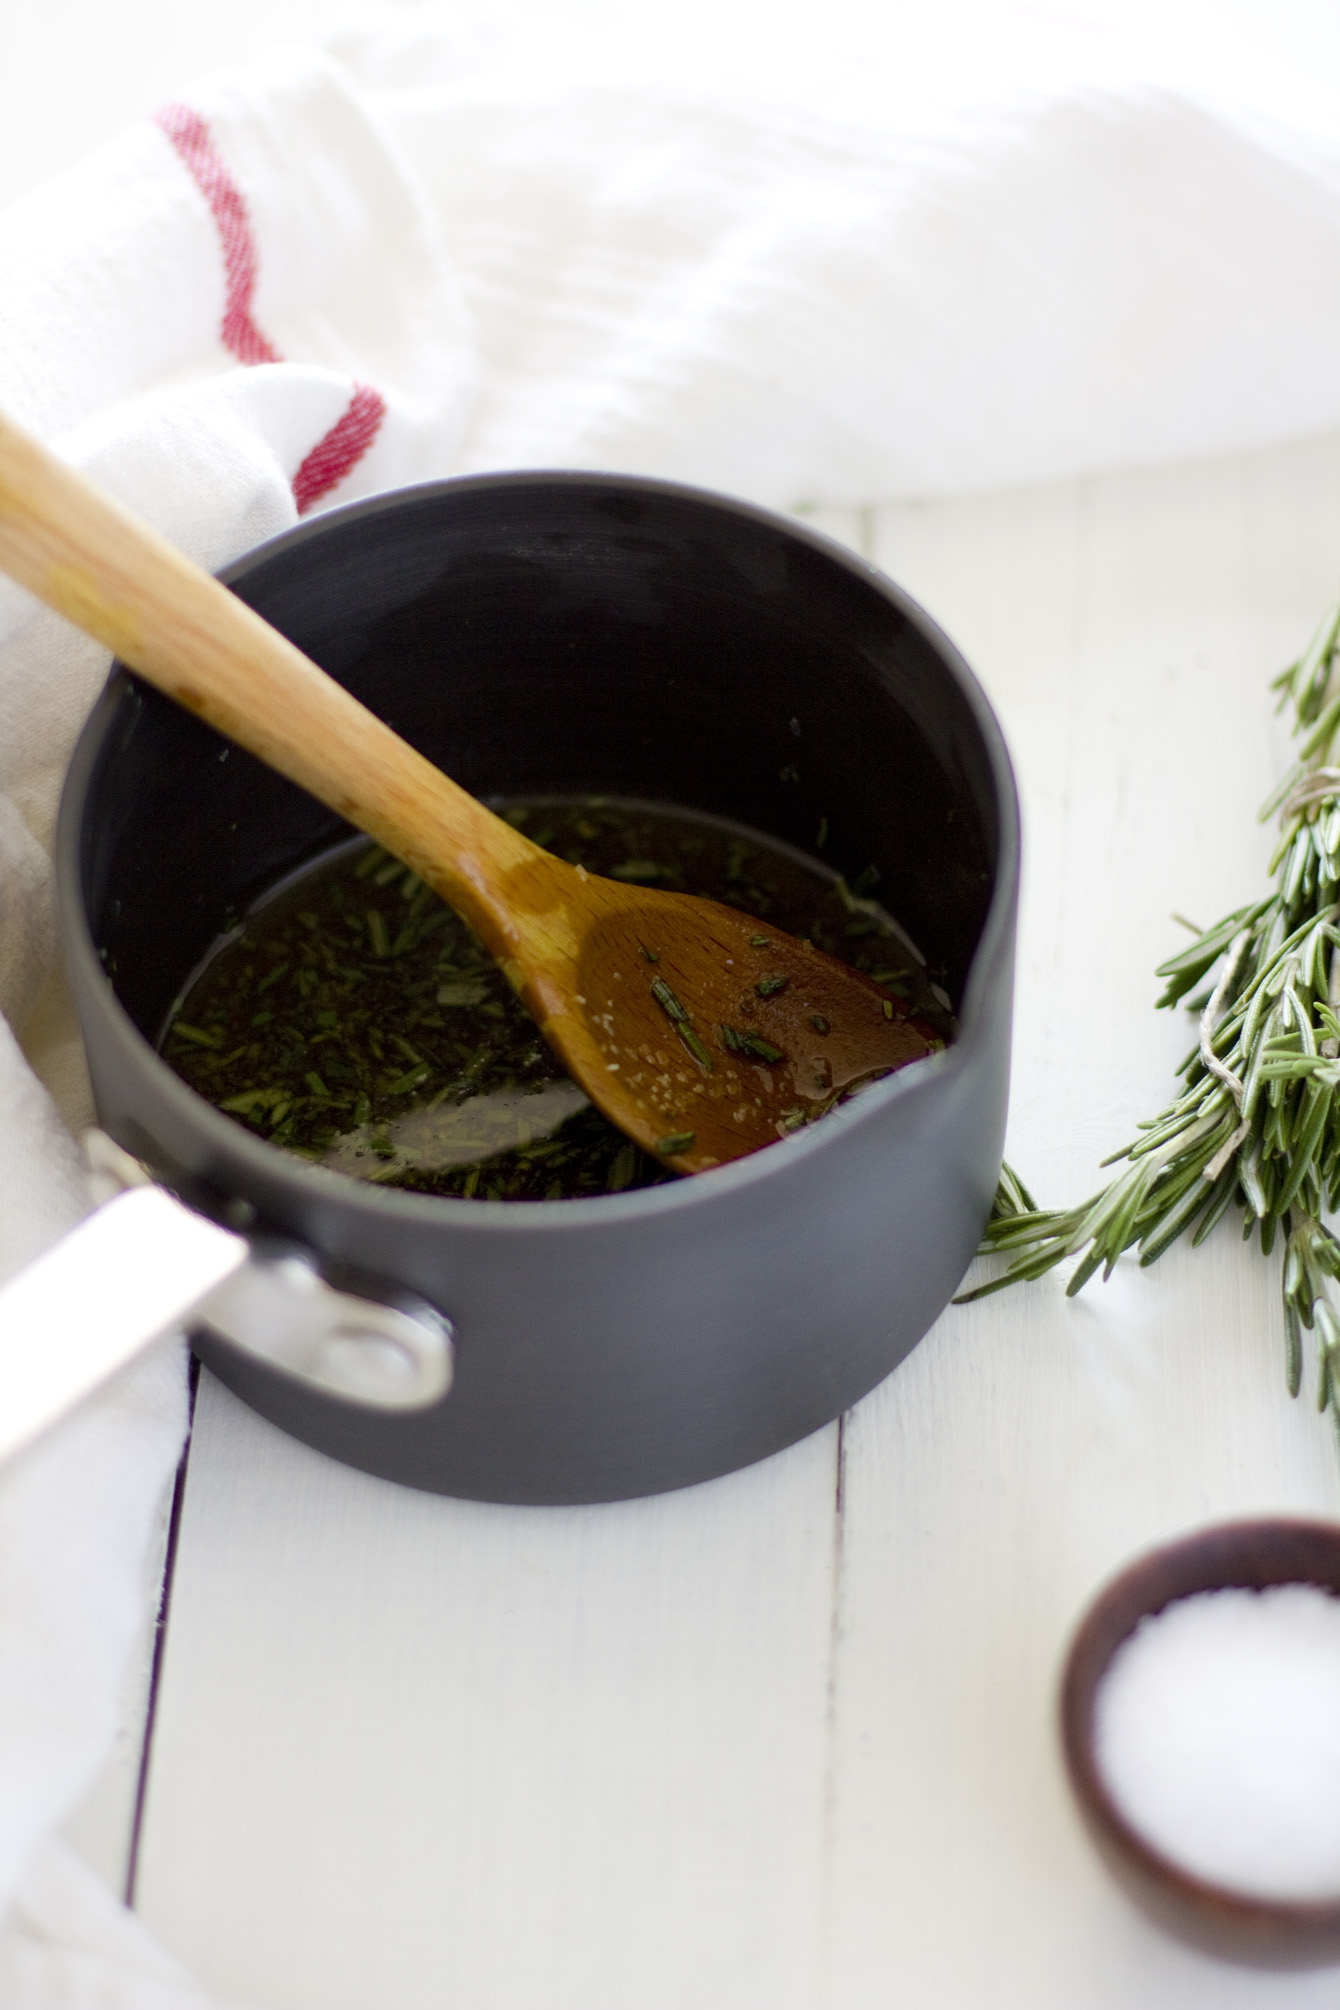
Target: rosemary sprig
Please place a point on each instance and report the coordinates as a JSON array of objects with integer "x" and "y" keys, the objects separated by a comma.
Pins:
[{"x": 1257, "y": 1121}]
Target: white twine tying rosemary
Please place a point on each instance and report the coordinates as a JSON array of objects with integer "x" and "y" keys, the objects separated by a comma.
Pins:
[{"x": 1257, "y": 1122}]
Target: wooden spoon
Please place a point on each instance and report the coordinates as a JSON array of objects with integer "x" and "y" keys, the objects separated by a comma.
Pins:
[{"x": 697, "y": 1030}]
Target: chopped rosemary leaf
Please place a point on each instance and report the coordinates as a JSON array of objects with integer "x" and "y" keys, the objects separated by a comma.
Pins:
[
  {"x": 768, "y": 987},
  {"x": 695, "y": 1046},
  {"x": 463, "y": 991},
  {"x": 250, "y": 1101},
  {"x": 761, "y": 1049},
  {"x": 197, "y": 1034},
  {"x": 668, "y": 1002},
  {"x": 641, "y": 871},
  {"x": 678, "y": 1141},
  {"x": 409, "y": 1080}
]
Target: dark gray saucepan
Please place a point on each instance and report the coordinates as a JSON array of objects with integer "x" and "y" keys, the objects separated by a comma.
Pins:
[{"x": 573, "y": 632}]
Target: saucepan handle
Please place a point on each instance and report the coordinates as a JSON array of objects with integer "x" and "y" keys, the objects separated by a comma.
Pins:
[{"x": 144, "y": 1265}]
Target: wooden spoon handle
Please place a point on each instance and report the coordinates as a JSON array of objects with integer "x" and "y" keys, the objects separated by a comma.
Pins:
[{"x": 111, "y": 575}]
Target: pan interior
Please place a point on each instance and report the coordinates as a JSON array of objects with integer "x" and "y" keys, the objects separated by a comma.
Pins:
[{"x": 554, "y": 636}]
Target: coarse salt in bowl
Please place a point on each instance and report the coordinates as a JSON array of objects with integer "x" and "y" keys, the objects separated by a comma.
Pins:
[
  {"x": 1217, "y": 1728},
  {"x": 1201, "y": 1732}
]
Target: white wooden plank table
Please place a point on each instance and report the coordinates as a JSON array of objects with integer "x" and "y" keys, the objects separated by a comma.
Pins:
[{"x": 788, "y": 1739}]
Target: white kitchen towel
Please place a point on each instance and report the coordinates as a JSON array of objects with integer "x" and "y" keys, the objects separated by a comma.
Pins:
[
  {"x": 890, "y": 251},
  {"x": 873, "y": 249},
  {"x": 231, "y": 315}
]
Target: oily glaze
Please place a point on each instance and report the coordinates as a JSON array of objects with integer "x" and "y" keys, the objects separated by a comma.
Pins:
[{"x": 355, "y": 1021}]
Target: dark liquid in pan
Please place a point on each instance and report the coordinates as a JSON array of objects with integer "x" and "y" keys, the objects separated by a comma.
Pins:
[{"x": 354, "y": 1020}]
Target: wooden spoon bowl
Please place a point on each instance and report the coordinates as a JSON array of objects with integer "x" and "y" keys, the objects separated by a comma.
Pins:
[{"x": 705, "y": 1035}]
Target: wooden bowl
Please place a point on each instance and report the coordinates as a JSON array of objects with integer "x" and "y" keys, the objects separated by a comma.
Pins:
[{"x": 1264, "y": 1933}]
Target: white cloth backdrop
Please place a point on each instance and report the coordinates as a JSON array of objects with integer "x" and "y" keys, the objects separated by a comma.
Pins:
[{"x": 805, "y": 254}]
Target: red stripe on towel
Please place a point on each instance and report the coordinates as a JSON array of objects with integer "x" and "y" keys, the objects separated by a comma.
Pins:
[
  {"x": 341, "y": 449},
  {"x": 201, "y": 158}
]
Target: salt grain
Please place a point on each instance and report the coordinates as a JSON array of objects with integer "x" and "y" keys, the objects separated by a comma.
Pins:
[{"x": 1217, "y": 1730}]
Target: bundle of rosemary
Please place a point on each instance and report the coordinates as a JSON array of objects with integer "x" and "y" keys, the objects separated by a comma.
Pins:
[{"x": 1257, "y": 1123}]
